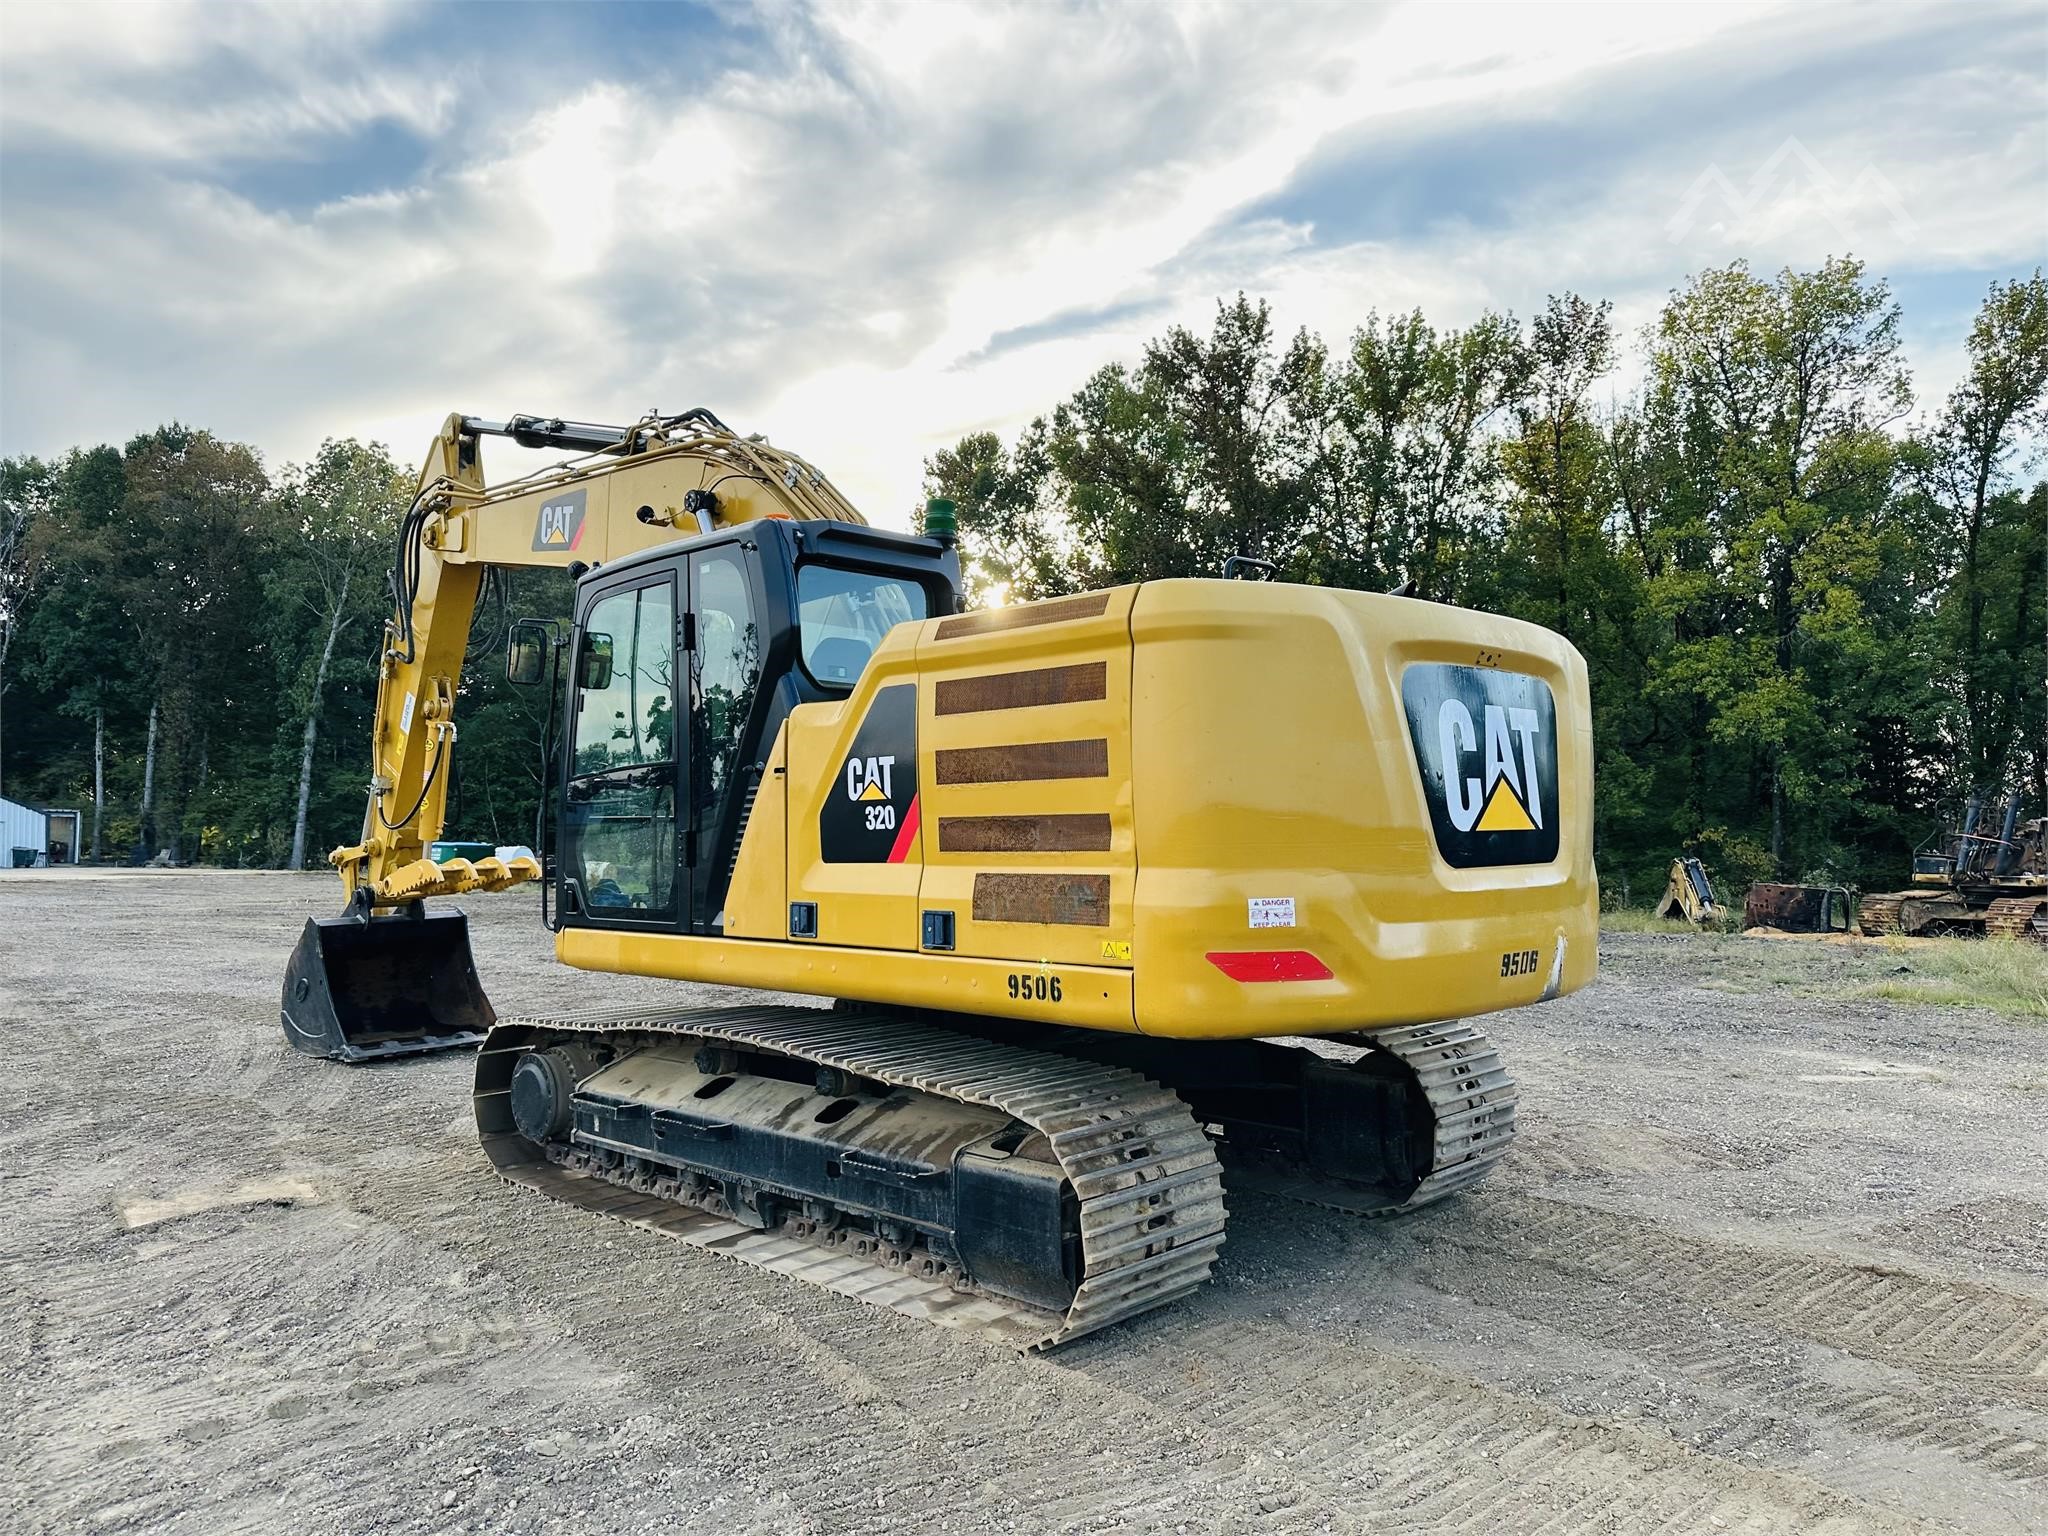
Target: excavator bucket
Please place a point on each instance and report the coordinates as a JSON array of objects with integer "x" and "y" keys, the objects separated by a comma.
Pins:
[{"x": 361, "y": 989}]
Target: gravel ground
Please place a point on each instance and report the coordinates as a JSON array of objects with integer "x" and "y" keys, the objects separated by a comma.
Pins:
[{"x": 1759, "y": 1263}]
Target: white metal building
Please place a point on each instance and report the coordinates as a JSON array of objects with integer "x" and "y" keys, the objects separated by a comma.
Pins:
[{"x": 27, "y": 836}]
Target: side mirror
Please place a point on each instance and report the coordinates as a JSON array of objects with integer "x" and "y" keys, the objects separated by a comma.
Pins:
[
  {"x": 594, "y": 661},
  {"x": 526, "y": 652}
]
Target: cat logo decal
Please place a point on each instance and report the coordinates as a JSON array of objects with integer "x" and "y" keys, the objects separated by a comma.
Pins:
[{"x": 1485, "y": 741}]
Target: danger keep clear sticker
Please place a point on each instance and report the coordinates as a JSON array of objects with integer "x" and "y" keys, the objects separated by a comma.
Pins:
[{"x": 1272, "y": 911}]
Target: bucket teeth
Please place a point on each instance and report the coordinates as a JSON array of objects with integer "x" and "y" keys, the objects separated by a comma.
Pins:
[
  {"x": 423, "y": 877},
  {"x": 457, "y": 876},
  {"x": 494, "y": 874},
  {"x": 498, "y": 874}
]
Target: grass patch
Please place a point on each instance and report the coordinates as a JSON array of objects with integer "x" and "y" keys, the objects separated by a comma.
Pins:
[
  {"x": 2004, "y": 975},
  {"x": 1641, "y": 920}
]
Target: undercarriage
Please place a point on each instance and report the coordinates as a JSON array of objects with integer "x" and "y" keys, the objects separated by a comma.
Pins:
[
  {"x": 1962, "y": 913},
  {"x": 1026, "y": 1184}
]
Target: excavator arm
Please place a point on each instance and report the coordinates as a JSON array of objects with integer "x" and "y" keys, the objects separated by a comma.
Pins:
[
  {"x": 661, "y": 479},
  {"x": 387, "y": 977}
]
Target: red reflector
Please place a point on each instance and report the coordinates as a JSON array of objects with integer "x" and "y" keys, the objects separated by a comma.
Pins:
[{"x": 1269, "y": 965}]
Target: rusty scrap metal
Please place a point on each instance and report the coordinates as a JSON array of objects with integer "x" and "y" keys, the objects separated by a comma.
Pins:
[{"x": 1798, "y": 908}]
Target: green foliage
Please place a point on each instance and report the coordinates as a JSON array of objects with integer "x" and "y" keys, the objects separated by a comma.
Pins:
[
  {"x": 1645, "y": 920},
  {"x": 2005, "y": 975},
  {"x": 174, "y": 578},
  {"x": 997, "y": 493},
  {"x": 1806, "y": 632},
  {"x": 497, "y": 786}
]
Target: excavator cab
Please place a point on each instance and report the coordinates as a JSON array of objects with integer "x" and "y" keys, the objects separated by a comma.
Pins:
[{"x": 685, "y": 660}]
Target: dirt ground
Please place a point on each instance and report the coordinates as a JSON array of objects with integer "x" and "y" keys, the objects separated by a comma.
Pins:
[{"x": 1759, "y": 1263}]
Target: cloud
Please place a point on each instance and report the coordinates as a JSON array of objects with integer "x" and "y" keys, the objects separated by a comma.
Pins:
[
  {"x": 181, "y": 81},
  {"x": 867, "y": 228}
]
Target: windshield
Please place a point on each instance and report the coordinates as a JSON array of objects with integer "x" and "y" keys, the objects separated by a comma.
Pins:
[{"x": 842, "y": 616}]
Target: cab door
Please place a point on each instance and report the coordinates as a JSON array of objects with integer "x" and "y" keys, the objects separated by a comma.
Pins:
[
  {"x": 725, "y": 639},
  {"x": 621, "y": 863}
]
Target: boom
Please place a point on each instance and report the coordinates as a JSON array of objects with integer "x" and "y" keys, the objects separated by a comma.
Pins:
[{"x": 633, "y": 487}]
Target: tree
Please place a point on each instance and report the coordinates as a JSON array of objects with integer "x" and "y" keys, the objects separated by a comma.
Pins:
[
  {"x": 1241, "y": 411},
  {"x": 181, "y": 570},
  {"x": 1803, "y": 629},
  {"x": 1202, "y": 452},
  {"x": 1407, "y": 460},
  {"x": 333, "y": 526},
  {"x": 1966, "y": 467},
  {"x": 27, "y": 489},
  {"x": 1776, "y": 395},
  {"x": 1555, "y": 460},
  {"x": 77, "y": 647},
  {"x": 1010, "y": 538},
  {"x": 1199, "y": 455},
  {"x": 1564, "y": 554}
]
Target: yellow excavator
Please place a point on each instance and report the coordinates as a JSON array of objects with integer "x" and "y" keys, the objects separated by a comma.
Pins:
[{"x": 1101, "y": 886}]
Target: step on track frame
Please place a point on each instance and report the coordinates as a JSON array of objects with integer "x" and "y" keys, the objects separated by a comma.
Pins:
[{"x": 1145, "y": 1175}]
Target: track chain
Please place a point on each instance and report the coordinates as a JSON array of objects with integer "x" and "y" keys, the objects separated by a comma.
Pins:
[
  {"x": 1149, "y": 1187},
  {"x": 1878, "y": 915},
  {"x": 2018, "y": 917}
]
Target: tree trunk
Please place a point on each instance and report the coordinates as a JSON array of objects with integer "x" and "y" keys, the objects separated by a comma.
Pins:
[
  {"x": 99, "y": 775},
  {"x": 147, "y": 831},
  {"x": 298, "y": 858},
  {"x": 1564, "y": 533},
  {"x": 1777, "y": 820},
  {"x": 313, "y": 730},
  {"x": 178, "y": 828},
  {"x": 1976, "y": 750}
]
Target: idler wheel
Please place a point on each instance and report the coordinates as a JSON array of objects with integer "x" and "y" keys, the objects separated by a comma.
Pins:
[{"x": 544, "y": 1088}]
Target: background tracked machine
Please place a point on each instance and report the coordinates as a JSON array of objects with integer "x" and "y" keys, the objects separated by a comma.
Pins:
[
  {"x": 1987, "y": 877},
  {"x": 1080, "y": 873}
]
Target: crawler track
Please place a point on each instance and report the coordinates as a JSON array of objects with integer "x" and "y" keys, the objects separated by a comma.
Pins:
[
  {"x": 1150, "y": 1192},
  {"x": 2018, "y": 917},
  {"x": 1920, "y": 914},
  {"x": 1472, "y": 1098},
  {"x": 1882, "y": 914}
]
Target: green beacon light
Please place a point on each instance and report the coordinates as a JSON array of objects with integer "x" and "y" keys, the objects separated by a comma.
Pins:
[{"x": 941, "y": 520}]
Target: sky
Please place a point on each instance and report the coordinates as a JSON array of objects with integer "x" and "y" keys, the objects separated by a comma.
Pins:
[{"x": 867, "y": 229}]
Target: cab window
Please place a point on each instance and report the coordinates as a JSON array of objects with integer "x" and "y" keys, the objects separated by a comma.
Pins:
[
  {"x": 725, "y": 671},
  {"x": 842, "y": 616},
  {"x": 631, "y": 719},
  {"x": 619, "y": 829}
]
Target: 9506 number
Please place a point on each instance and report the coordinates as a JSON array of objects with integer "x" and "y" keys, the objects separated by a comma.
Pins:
[
  {"x": 1518, "y": 962},
  {"x": 1034, "y": 987}
]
